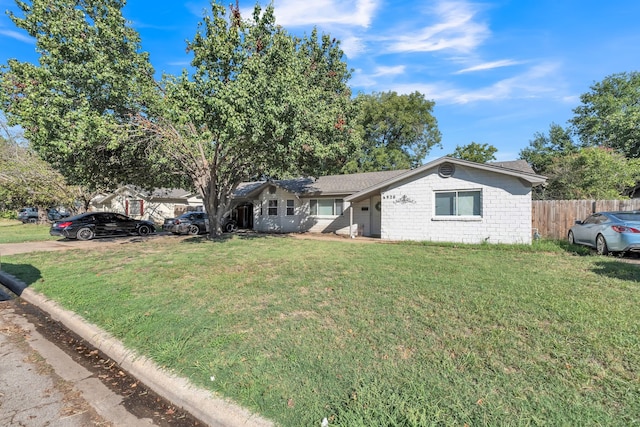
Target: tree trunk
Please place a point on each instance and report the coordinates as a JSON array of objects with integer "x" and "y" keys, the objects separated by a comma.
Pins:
[
  {"x": 212, "y": 207},
  {"x": 42, "y": 215}
]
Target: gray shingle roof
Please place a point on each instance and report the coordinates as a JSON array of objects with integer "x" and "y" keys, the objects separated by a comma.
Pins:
[
  {"x": 337, "y": 184},
  {"x": 516, "y": 165}
]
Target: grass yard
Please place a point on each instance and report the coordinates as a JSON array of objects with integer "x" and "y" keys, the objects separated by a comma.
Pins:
[
  {"x": 13, "y": 231},
  {"x": 370, "y": 334}
]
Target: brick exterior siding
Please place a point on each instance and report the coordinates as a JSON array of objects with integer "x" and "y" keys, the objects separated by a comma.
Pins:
[{"x": 408, "y": 211}]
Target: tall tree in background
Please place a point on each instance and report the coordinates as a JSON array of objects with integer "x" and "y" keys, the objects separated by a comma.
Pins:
[
  {"x": 479, "y": 153},
  {"x": 397, "y": 131},
  {"x": 259, "y": 102},
  {"x": 591, "y": 173},
  {"x": 544, "y": 148},
  {"x": 610, "y": 114},
  {"x": 27, "y": 180}
]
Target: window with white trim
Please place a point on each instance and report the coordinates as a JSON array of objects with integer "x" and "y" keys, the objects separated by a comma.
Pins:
[
  {"x": 273, "y": 208},
  {"x": 290, "y": 207},
  {"x": 135, "y": 207},
  {"x": 326, "y": 207},
  {"x": 458, "y": 203}
]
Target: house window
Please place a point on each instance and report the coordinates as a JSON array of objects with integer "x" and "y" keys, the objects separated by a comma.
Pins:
[
  {"x": 458, "y": 203},
  {"x": 326, "y": 207},
  {"x": 290, "y": 207},
  {"x": 273, "y": 207},
  {"x": 135, "y": 207}
]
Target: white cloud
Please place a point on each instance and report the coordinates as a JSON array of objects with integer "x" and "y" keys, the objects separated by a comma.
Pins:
[
  {"x": 536, "y": 82},
  {"x": 17, "y": 36},
  {"x": 455, "y": 28},
  {"x": 352, "y": 46},
  {"x": 387, "y": 71},
  {"x": 363, "y": 79},
  {"x": 489, "y": 66},
  {"x": 295, "y": 13}
]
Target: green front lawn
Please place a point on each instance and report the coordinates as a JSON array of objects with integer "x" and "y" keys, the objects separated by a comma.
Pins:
[
  {"x": 370, "y": 334},
  {"x": 13, "y": 231}
]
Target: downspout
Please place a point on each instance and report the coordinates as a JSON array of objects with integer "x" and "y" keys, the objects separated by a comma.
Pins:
[{"x": 351, "y": 220}]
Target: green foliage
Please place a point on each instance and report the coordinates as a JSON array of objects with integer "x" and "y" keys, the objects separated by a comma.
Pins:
[
  {"x": 543, "y": 149},
  {"x": 7, "y": 214},
  {"x": 610, "y": 113},
  {"x": 591, "y": 173},
  {"x": 91, "y": 78},
  {"x": 258, "y": 102},
  {"x": 475, "y": 152},
  {"x": 27, "y": 180},
  {"x": 397, "y": 131}
]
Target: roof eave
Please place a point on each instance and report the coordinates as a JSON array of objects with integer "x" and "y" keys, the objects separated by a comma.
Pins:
[{"x": 532, "y": 179}]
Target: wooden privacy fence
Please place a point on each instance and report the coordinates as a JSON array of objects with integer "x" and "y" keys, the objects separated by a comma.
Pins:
[{"x": 553, "y": 218}]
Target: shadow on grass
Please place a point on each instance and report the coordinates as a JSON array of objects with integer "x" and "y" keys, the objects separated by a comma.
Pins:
[
  {"x": 242, "y": 235},
  {"x": 17, "y": 277},
  {"x": 618, "y": 269}
]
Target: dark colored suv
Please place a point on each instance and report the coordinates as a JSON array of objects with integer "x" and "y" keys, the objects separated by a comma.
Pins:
[{"x": 31, "y": 215}]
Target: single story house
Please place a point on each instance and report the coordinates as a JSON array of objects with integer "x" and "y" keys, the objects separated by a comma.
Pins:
[
  {"x": 448, "y": 200},
  {"x": 153, "y": 205}
]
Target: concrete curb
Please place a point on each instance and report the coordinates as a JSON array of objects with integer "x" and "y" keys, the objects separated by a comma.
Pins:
[{"x": 202, "y": 404}]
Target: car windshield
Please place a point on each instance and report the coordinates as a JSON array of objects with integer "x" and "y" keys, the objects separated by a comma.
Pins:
[
  {"x": 189, "y": 215},
  {"x": 629, "y": 216}
]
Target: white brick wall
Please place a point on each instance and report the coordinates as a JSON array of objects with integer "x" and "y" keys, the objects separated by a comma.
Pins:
[
  {"x": 301, "y": 221},
  {"x": 408, "y": 211}
]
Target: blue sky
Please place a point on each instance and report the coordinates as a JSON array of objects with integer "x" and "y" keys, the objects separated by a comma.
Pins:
[{"x": 498, "y": 70}]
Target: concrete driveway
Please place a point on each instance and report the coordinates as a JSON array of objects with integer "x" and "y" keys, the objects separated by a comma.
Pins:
[{"x": 66, "y": 244}]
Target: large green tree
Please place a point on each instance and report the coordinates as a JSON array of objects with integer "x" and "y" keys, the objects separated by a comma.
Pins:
[
  {"x": 591, "y": 173},
  {"x": 480, "y": 153},
  {"x": 610, "y": 114},
  {"x": 27, "y": 180},
  {"x": 257, "y": 102},
  {"x": 544, "y": 148},
  {"x": 397, "y": 131},
  {"x": 90, "y": 79}
]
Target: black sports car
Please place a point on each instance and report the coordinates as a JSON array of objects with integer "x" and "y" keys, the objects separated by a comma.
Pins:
[{"x": 88, "y": 225}]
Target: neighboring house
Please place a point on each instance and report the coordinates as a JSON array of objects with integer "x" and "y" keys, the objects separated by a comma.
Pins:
[
  {"x": 153, "y": 205},
  {"x": 448, "y": 200}
]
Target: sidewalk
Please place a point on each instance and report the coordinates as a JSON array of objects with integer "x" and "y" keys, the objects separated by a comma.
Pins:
[{"x": 40, "y": 385}]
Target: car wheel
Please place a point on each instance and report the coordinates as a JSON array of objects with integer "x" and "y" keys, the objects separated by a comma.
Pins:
[
  {"x": 85, "y": 233},
  {"x": 32, "y": 220},
  {"x": 231, "y": 227},
  {"x": 194, "y": 229},
  {"x": 572, "y": 241},
  {"x": 601, "y": 245},
  {"x": 144, "y": 230}
]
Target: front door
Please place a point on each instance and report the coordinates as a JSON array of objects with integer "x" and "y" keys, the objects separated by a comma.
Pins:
[{"x": 376, "y": 216}]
